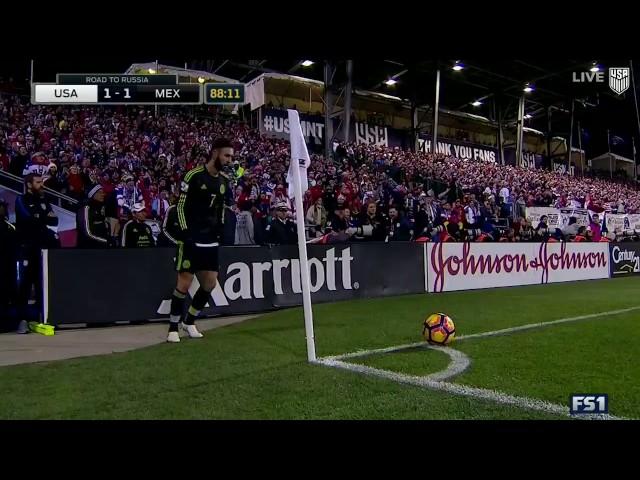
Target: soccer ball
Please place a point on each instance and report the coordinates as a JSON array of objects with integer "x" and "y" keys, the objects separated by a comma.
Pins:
[{"x": 439, "y": 329}]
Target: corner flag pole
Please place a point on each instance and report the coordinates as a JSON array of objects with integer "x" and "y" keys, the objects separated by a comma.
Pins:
[{"x": 300, "y": 158}]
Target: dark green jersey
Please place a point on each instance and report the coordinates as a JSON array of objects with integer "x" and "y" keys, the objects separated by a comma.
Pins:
[{"x": 201, "y": 205}]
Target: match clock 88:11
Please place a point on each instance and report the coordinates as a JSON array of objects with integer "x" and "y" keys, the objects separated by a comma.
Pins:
[{"x": 221, "y": 93}]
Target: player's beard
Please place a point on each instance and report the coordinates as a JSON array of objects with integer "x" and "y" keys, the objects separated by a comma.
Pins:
[{"x": 218, "y": 163}]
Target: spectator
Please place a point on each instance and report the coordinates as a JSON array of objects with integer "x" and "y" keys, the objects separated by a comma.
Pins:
[
  {"x": 244, "y": 225},
  {"x": 398, "y": 226},
  {"x": 572, "y": 229},
  {"x": 371, "y": 225},
  {"x": 19, "y": 162},
  {"x": 160, "y": 205},
  {"x": 338, "y": 222},
  {"x": 595, "y": 228},
  {"x": 136, "y": 233},
  {"x": 93, "y": 227},
  {"x": 281, "y": 231},
  {"x": 317, "y": 215}
]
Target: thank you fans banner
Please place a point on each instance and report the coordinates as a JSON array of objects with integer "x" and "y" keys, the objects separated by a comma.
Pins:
[{"x": 464, "y": 151}]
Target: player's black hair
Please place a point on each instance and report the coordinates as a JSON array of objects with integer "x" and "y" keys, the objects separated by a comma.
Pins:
[
  {"x": 221, "y": 142},
  {"x": 29, "y": 178}
]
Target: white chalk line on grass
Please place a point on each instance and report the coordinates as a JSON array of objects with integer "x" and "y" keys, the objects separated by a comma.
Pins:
[
  {"x": 465, "y": 390},
  {"x": 504, "y": 331},
  {"x": 460, "y": 362}
]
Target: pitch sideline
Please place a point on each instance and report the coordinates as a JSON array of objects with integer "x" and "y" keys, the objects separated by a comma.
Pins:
[{"x": 460, "y": 362}]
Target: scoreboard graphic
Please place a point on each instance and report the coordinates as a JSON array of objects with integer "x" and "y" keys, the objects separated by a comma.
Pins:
[{"x": 116, "y": 89}]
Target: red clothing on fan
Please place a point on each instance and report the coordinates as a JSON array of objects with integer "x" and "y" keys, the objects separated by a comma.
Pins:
[
  {"x": 108, "y": 187},
  {"x": 456, "y": 216},
  {"x": 75, "y": 183},
  {"x": 4, "y": 162},
  {"x": 316, "y": 192}
]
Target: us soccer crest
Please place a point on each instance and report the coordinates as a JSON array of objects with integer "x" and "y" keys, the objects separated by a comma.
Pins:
[{"x": 619, "y": 79}]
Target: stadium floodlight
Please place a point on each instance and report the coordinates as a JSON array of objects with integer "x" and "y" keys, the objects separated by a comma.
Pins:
[
  {"x": 477, "y": 103},
  {"x": 458, "y": 66},
  {"x": 391, "y": 81},
  {"x": 152, "y": 71},
  {"x": 527, "y": 116},
  {"x": 200, "y": 80},
  {"x": 595, "y": 67},
  {"x": 307, "y": 63},
  {"x": 528, "y": 88}
]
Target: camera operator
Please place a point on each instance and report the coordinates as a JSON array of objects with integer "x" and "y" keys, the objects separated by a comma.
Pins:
[
  {"x": 542, "y": 231},
  {"x": 526, "y": 232},
  {"x": 372, "y": 225}
]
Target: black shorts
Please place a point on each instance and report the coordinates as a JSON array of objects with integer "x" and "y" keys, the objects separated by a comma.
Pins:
[{"x": 193, "y": 258}]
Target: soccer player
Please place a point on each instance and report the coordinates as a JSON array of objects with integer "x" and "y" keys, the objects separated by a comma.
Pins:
[{"x": 204, "y": 193}]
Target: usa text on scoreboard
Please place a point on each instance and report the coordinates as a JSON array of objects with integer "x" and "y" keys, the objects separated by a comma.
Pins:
[{"x": 116, "y": 89}]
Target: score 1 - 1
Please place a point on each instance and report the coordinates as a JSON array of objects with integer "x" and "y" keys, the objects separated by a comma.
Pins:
[{"x": 107, "y": 93}]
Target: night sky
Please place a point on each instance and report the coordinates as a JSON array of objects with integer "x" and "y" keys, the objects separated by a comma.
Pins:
[{"x": 616, "y": 114}]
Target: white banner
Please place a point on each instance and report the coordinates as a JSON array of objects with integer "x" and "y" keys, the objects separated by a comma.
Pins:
[
  {"x": 469, "y": 266},
  {"x": 557, "y": 217},
  {"x": 622, "y": 222},
  {"x": 371, "y": 134},
  {"x": 464, "y": 152}
]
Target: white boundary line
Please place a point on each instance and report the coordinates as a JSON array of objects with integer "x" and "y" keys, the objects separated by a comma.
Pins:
[
  {"x": 504, "y": 331},
  {"x": 460, "y": 362},
  {"x": 465, "y": 390}
]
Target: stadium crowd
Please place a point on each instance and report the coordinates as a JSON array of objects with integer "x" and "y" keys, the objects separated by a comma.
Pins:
[{"x": 363, "y": 193}]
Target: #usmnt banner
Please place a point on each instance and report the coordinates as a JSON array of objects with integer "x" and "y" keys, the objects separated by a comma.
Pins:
[
  {"x": 557, "y": 217},
  {"x": 275, "y": 123},
  {"x": 469, "y": 266},
  {"x": 464, "y": 151}
]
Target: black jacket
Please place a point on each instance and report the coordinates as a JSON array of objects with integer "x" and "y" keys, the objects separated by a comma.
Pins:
[
  {"x": 8, "y": 245},
  {"x": 137, "y": 235},
  {"x": 281, "y": 233},
  {"x": 170, "y": 228},
  {"x": 93, "y": 229},
  {"x": 379, "y": 233},
  {"x": 399, "y": 229},
  {"x": 32, "y": 220}
]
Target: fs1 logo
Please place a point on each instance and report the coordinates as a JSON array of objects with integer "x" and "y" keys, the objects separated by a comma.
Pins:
[{"x": 589, "y": 403}]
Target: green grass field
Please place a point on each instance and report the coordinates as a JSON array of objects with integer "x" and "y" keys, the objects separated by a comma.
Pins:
[{"x": 258, "y": 369}]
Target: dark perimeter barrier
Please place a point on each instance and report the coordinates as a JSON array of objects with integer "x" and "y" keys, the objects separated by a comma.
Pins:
[{"x": 101, "y": 286}]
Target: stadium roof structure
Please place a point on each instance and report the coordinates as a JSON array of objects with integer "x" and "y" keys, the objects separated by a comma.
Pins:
[
  {"x": 472, "y": 87},
  {"x": 152, "y": 67}
]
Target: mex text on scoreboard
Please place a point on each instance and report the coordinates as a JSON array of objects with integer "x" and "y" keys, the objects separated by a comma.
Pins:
[{"x": 116, "y": 89}]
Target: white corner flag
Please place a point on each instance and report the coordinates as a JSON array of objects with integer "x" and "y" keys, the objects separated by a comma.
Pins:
[
  {"x": 297, "y": 176},
  {"x": 298, "y": 151}
]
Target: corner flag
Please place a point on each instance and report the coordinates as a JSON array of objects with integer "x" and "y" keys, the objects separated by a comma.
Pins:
[
  {"x": 297, "y": 177},
  {"x": 298, "y": 152}
]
